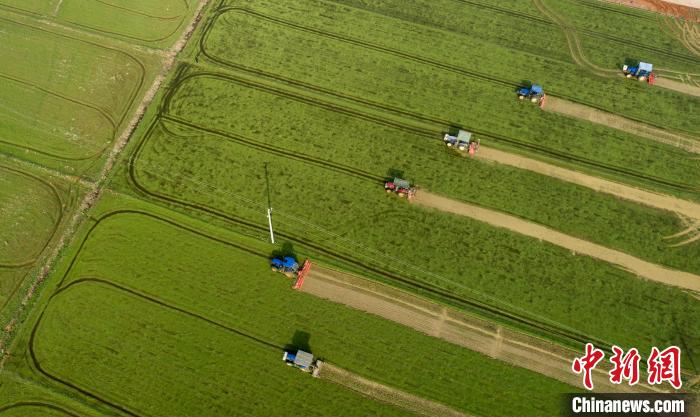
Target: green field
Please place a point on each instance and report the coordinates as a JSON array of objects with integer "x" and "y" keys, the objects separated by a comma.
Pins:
[
  {"x": 149, "y": 23},
  {"x": 146, "y": 300},
  {"x": 374, "y": 148},
  {"x": 163, "y": 302}
]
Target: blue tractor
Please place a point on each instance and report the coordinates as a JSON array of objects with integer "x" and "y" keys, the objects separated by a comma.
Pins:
[
  {"x": 535, "y": 94},
  {"x": 642, "y": 71},
  {"x": 287, "y": 266}
]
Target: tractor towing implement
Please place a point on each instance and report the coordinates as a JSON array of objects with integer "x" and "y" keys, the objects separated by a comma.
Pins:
[
  {"x": 463, "y": 142},
  {"x": 400, "y": 187},
  {"x": 303, "y": 361},
  {"x": 290, "y": 267},
  {"x": 643, "y": 71},
  {"x": 534, "y": 93}
]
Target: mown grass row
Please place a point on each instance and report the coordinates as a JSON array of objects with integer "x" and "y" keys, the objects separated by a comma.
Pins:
[
  {"x": 440, "y": 95},
  {"x": 355, "y": 217},
  {"x": 487, "y": 56},
  {"x": 302, "y": 128},
  {"x": 236, "y": 289}
]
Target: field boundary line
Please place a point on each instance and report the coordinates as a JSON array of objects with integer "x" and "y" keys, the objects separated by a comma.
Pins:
[{"x": 94, "y": 193}]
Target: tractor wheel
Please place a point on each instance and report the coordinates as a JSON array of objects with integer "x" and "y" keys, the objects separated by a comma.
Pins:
[
  {"x": 628, "y": 75},
  {"x": 521, "y": 97},
  {"x": 449, "y": 144},
  {"x": 402, "y": 195},
  {"x": 642, "y": 78},
  {"x": 534, "y": 99},
  {"x": 461, "y": 148},
  {"x": 388, "y": 190}
]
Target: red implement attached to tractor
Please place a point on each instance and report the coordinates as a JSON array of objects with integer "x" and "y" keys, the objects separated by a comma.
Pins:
[{"x": 303, "y": 271}]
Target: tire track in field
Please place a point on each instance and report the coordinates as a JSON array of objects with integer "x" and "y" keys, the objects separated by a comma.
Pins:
[
  {"x": 386, "y": 394},
  {"x": 495, "y": 341},
  {"x": 630, "y": 263}
]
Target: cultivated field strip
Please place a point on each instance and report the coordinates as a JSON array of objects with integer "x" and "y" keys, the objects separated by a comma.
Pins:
[
  {"x": 386, "y": 394},
  {"x": 437, "y": 126},
  {"x": 687, "y": 209},
  {"x": 250, "y": 320},
  {"x": 324, "y": 33},
  {"x": 445, "y": 323},
  {"x": 441, "y": 123},
  {"x": 637, "y": 266},
  {"x": 594, "y": 115}
]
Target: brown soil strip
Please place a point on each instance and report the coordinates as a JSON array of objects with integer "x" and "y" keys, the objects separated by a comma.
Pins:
[
  {"x": 679, "y": 86},
  {"x": 594, "y": 115},
  {"x": 663, "y": 7},
  {"x": 634, "y": 265},
  {"x": 386, "y": 394},
  {"x": 97, "y": 187},
  {"x": 682, "y": 207},
  {"x": 473, "y": 333}
]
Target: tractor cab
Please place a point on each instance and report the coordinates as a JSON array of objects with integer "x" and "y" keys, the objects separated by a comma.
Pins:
[
  {"x": 401, "y": 187},
  {"x": 642, "y": 71},
  {"x": 286, "y": 265},
  {"x": 303, "y": 361},
  {"x": 535, "y": 94},
  {"x": 463, "y": 141}
]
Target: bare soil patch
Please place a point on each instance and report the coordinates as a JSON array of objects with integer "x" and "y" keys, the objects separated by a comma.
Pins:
[
  {"x": 679, "y": 86},
  {"x": 634, "y": 265},
  {"x": 453, "y": 326},
  {"x": 686, "y": 9},
  {"x": 594, "y": 115}
]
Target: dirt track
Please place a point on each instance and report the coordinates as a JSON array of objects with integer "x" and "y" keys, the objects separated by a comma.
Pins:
[
  {"x": 453, "y": 326},
  {"x": 591, "y": 114},
  {"x": 678, "y": 86},
  {"x": 579, "y": 246},
  {"x": 684, "y": 208},
  {"x": 686, "y": 9},
  {"x": 386, "y": 394}
]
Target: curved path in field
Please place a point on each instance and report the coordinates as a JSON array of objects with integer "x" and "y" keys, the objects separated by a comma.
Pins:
[
  {"x": 583, "y": 112},
  {"x": 687, "y": 209},
  {"x": 577, "y": 54},
  {"x": 433, "y": 319},
  {"x": 386, "y": 394},
  {"x": 634, "y": 265}
]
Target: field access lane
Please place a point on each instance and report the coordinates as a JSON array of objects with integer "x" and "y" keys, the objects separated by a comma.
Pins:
[{"x": 632, "y": 264}]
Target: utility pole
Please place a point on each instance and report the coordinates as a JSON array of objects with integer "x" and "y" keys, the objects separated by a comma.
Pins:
[
  {"x": 269, "y": 205},
  {"x": 269, "y": 222}
]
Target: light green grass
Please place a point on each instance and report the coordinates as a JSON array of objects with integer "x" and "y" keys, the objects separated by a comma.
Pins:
[
  {"x": 30, "y": 209},
  {"x": 354, "y": 217},
  {"x": 155, "y": 23},
  {"x": 306, "y": 129},
  {"x": 170, "y": 363},
  {"x": 240, "y": 292}
]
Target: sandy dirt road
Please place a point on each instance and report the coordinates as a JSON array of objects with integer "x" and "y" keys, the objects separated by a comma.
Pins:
[
  {"x": 594, "y": 115},
  {"x": 637, "y": 266},
  {"x": 455, "y": 327},
  {"x": 682, "y": 207},
  {"x": 386, "y": 394},
  {"x": 679, "y": 86}
]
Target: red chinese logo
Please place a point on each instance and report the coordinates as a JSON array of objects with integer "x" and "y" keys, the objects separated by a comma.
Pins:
[
  {"x": 662, "y": 366},
  {"x": 587, "y": 363},
  {"x": 665, "y": 366},
  {"x": 624, "y": 366}
]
